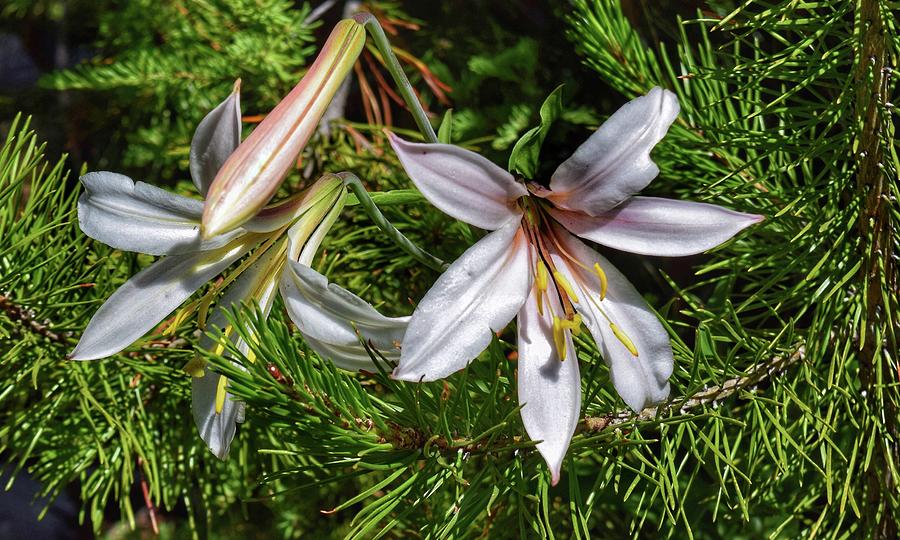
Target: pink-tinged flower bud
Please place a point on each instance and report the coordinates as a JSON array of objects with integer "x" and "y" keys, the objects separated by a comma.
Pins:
[{"x": 252, "y": 174}]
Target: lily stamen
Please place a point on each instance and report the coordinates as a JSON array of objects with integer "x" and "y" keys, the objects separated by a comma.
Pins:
[
  {"x": 195, "y": 367},
  {"x": 220, "y": 394},
  {"x": 202, "y": 304},
  {"x": 562, "y": 282},
  {"x": 541, "y": 280},
  {"x": 559, "y": 338},
  {"x": 604, "y": 283},
  {"x": 624, "y": 339},
  {"x": 560, "y": 326}
]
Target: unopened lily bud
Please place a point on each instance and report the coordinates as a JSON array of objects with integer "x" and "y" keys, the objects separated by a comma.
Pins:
[{"x": 253, "y": 173}]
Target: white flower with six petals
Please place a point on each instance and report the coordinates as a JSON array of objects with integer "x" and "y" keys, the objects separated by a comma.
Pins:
[
  {"x": 534, "y": 265},
  {"x": 281, "y": 239}
]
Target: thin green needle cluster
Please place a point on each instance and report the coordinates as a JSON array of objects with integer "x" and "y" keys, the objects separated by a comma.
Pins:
[{"x": 772, "y": 411}]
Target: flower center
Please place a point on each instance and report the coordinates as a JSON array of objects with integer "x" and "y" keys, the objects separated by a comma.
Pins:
[{"x": 550, "y": 280}]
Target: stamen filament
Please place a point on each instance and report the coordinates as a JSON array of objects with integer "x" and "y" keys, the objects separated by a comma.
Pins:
[
  {"x": 205, "y": 301},
  {"x": 220, "y": 348}
]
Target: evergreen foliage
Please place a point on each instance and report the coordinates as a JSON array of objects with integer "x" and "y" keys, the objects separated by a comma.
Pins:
[
  {"x": 783, "y": 417},
  {"x": 163, "y": 65}
]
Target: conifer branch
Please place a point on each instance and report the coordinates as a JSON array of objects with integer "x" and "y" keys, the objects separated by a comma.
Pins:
[
  {"x": 707, "y": 396},
  {"x": 407, "y": 438},
  {"x": 877, "y": 273},
  {"x": 26, "y": 319}
]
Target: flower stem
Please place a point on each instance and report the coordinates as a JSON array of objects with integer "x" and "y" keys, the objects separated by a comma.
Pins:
[
  {"x": 353, "y": 182},
  {"x": 396, "y": 70}
]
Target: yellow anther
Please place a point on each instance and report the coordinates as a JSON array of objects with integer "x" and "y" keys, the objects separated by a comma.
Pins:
[
  {"x": 562, "y": 282},
  {"x": 541, "y": 280},
  {"x": 575, "y": 325},
  {"x": 196, "y": 367},
  {"x": 623, "y": 337},
  {"x": 603, "y": 283},
  {"x": 541, "y": 277},
  {"x": 220, "y": 394},
  {"x": 559, "y": 338}
]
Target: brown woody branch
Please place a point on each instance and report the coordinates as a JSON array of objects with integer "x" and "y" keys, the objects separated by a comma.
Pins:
[
  {"x": 26, "y": 319},
  {"x": 708, "y": 396}
]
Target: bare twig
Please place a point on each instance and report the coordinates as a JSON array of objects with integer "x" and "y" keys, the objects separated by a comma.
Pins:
[
  {"x": 684, "y": 404},
  {"x": 26, "y": 319},
  {"x": 145, "y": 490}
]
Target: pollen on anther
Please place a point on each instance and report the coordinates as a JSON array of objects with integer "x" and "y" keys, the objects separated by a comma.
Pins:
[
  {"x": 559, "y": 338},
  {"x": 565, "y": 285},
  {"x": 603, "y": 282},
  {"x": 624, "y": 339},
  {"x": 541, "y": 280},
  {"x": 220, "y": 394}
]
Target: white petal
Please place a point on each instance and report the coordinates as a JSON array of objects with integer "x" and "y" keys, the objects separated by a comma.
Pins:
[
  {"x": 461, "y": 183},
  {"x": 614, "y": 163},
  {"x": 350, "y": 357},
  {"x": 641, "y": 380},
  {"x": 549, "y": 389},
  {"x": 217, "y": 136},
  {"x": 256, "y": 283},
  {"x": 326, "y": 314},
  {"x": 216, "y": 429},
  {"x": 139, "y": 217},
  {"x": 147, "y": 298},
  {"x": 478, "y": 295},
  {"x": 662, "y": 227}
]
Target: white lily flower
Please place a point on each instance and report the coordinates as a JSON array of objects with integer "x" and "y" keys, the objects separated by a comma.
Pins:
[
  {"x": 533, "y": 264},
  {"x": 145, "y": 219}
]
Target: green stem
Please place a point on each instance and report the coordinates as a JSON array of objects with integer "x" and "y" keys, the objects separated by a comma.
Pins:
[
  {"x": 393, "y": 66},
  {"x": 353, "y": 182}
]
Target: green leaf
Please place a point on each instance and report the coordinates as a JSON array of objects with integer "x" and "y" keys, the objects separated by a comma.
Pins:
[
  {"x": 524, "y": 157},
  {"x": 445, "y": 132}
]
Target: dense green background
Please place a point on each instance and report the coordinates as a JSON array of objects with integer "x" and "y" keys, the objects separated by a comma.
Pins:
[{"x": 783, "y": 416}]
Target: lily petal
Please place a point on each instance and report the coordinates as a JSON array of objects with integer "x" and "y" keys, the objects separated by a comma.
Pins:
[
  {"x": 461, "y": 183},
  {"x": 145, "y": 299},
  {"x": 641, "y": 380},
  {"x": 217, "y": 136},
  {"x": 258, "y": 282},
  {"x": 139, "y": 217},
  {"x": 216, "y": 429},
  {"x": 254, "y": 172},
  {"x": 549, "y": 388},
  {"x": 662, "y": 227},
  {"x": 478, "y": 295},
  {"x": 326, "y": 314},
  {"x": 614, "y": 163}
]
